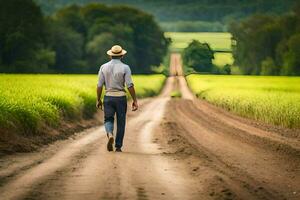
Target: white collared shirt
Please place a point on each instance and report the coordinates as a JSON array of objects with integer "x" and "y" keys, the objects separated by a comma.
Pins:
[{"x": 114, "y": 75}]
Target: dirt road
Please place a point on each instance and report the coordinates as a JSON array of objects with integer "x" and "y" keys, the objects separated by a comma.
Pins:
[{"x": 174, "y": 149}]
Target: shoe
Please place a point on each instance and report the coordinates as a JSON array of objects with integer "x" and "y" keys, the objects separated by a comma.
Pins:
[
  {"x": 118, "y": 150},
  {"x": 110, "y": 143}
]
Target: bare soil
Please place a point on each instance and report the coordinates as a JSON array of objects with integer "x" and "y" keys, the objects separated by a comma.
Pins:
[
  {"x": 14, "y": 141},
  {"x": 173, "y": 149}
]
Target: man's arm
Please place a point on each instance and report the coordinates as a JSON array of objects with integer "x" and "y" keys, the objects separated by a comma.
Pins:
[
  {"x": 130, "y": 87},
  {"x": 99, "y": 92},
  {"x": 101, "y": 81},
  {"x": 134, "y": 103}
]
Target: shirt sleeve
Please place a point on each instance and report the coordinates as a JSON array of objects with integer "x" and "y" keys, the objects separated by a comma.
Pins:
[
  {"x": 101, "y": 79},
  {"x": 128, "y": 79}
]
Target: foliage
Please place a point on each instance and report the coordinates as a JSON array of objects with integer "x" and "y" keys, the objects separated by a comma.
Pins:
[
  {"x": 291, "y": 57},
  {"x": 268, "y": 45},
  {"x": 268, "y": 67},
  {"x": 274, "y": 100},
  {"x": 198, "y": 56},
  {"x": 28, "y": 102},
  {"x": 214, "y": 11},
  {"x": 67, "y": 44},
  {"x": 226, "y": 69},
  {"x": 21, "y": 34},
  {"x": 76, "y": 37}
]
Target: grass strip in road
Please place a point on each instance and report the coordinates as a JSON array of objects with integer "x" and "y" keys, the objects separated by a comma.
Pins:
[{"x": 274, "y": 100}]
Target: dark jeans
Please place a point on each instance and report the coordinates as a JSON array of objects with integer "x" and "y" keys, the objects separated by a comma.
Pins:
[{"x": 118, "y": 106}]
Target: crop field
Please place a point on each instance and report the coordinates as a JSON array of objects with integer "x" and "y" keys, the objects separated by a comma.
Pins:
[
  {"x": 217, "y": 41},
  {"x": 274, "y": 100},
  {"x": 222, "y": 59},
  {"x": 29, "y": 101}
]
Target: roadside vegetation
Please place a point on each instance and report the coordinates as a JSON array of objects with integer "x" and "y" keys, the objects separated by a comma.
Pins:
[
  {"x": 268, "y": 45},
  {"x": 198, "y": 56},
  {"x": 30, "y": 102},
  {"x": 274, "y": 100}
]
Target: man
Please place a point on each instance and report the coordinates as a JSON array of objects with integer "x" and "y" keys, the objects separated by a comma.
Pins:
[{"x": 114, "y": 75}]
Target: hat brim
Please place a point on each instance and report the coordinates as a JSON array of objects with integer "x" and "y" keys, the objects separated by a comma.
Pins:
[{"x": 110, "y": 53}]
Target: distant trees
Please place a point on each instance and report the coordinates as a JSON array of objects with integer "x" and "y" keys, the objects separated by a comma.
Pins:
[
  {"x": 75, "y": 38},
  {"x": 198, "y": 56},
  {"x": 191, "y": 10},
  {"x": 291, "y": 58},
  {"x": 268, "y": 45},
  {"x": 22, "y": 36},
  {"x": 68, "y": 46}
]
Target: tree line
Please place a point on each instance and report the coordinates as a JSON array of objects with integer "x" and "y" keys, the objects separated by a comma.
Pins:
[
  {"x": 268, "y": 45},
  {"x": 204, "y": 11},
  {"x": 198, "y": 57},
  {"x": 75, "y": 38}
]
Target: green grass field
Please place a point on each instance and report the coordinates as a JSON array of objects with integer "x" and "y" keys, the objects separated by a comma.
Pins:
[
  {"x": 217, "y": 41},
  {"x": 27, "y": 102},
  {"x": 222, "y": 59},
  {"x": 274, "y": 100}
]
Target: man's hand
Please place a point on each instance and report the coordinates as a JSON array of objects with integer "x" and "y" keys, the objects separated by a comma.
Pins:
[
  {"x": 99, "y": 104},
  {"x": 134, "y": 105}
]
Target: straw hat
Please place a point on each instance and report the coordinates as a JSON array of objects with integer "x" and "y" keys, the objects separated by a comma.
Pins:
[{"x": 116, "y": 50}]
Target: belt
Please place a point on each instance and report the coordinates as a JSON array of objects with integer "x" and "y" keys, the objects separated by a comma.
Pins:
[{"x": 115, "y": 93}]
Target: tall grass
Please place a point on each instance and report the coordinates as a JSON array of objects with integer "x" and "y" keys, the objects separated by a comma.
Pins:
[
  {"x": 148, "y": 85},
  {"x": 27, "y": 102},
  {"x": 274, "y": 100}
]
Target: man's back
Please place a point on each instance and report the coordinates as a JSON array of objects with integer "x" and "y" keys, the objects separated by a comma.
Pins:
[{"x": 114, "y": 74}]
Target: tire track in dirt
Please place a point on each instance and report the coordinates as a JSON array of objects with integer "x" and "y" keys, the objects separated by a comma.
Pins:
[
  {"x": 82, "y": 169},
  {"x": 264, "y": 163}
]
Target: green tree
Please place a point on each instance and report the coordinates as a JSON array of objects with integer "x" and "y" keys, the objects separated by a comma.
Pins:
[
  {"x": 103, "y": 37},
  {"x": 256, "y": 38},
  {"x": 21, "y": 33},
  {"x": 68, "y": 46},
  {"x": 291, "y": 57},
  {"x": 135, "y": 30},
  {"x": 150, "y": 45},
  {"x": 76, "y": 36},
  {"x": 267, "y": 44},
  {"x": 198, "y": 56},
  {"x": 71, "y": 17},
  {"x": 226, "y": 69},
  {"x": 268, "y": 67},
  {"x": 95, "y": 47}
]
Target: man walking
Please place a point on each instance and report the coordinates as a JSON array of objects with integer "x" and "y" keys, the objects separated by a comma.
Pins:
[{"x": 114, "y": 75}]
